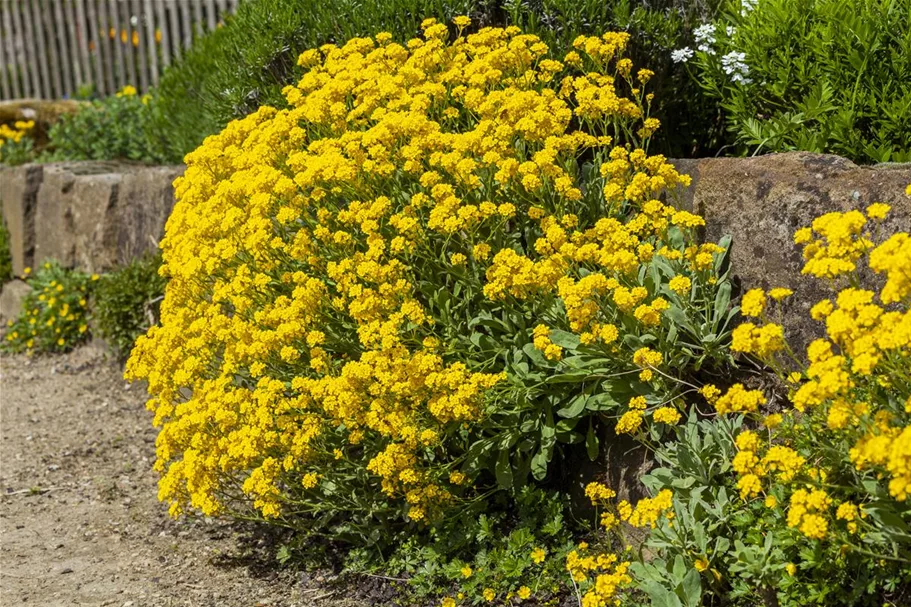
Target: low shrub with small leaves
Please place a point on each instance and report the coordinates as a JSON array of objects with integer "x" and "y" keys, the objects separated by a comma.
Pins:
[
  {"x": 126, "y": 302},
  {"x": 114, "y": 128},
  {"x": 54, "y": 316}
]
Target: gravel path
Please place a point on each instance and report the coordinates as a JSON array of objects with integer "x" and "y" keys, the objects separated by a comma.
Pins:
[{"x": 79, "y": 520}]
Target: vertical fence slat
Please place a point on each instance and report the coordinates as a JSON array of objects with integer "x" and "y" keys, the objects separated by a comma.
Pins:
[
  {"x": 73, "y": 51},
  {"x": 60, "y": 35},
  {"x": 42, "y": 56},
  {"x": 123, "y": 10},
  {"x": 34, "y": 51},
  {"x": 106, "y": 50},
  {"x": 138, "y": 44},
  {"x": 186, "y": 21},
  {"x": 175, "y": 38},
  {"x": 97, "y": 44},
  {"x": 5, "y": 56},
  {"x": 27, "y": 90},
  {"x": 82, "y": 37},
  {"x": 121, "y": 78},
  {"x": 16, "y": 29},
  {"x": 196, "y": 24},
  {"x": 53, "y": 54},
  {"x": 210, "y": 14},
  {"x": 13, "y": 68},
  {"x": 152, "y": 41},
  {"x": 161, "y": 20}
]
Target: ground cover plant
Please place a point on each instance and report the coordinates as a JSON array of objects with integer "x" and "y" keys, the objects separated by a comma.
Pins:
[
  {"x": 66, "y": 307},
  {"x": 6, "y": 260},
  {"x": 397, "y": 268},
  {"x": 54, "y": 315}
]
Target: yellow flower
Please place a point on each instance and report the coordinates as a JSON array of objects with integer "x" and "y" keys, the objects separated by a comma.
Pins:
[
  {"x": 753, "y": 303},
  {"x": 524, "y": 593},
  {"x": 780, "y": 293},
  {"x": 538, "y": 555},
  {"x": 489, "y": 595},
  {"x": 878, "y": 210},
  {"x": 791, "y": 568},
  {"x": 701, "y": 564},
  {"x": 680, "y": 285},
  {"x": 466, "y": 571}
]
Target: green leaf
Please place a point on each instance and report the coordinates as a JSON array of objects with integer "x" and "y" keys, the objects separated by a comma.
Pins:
[
  {"x": 503, "y": 470},
  {"x": 574, "y": 407},
  {"x": 539, "y": 465},
  {"x": 692, "y": 589},
  {"x": 591, "y": 442}
]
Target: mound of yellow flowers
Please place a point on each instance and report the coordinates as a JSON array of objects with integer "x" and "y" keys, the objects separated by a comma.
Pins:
[{"x": 346, "y": 274}]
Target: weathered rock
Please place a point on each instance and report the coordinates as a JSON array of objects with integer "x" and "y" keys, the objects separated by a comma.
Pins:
[
  {"x": 141, "y": 210},
  {"x": 11, "y": 297},
  {"x": 96, "y": 216},
  {"x": 18, "y": 196},
  {"x": 762, "y": 201}
]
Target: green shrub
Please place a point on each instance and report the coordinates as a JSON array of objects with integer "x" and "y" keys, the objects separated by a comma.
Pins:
[
  {"x": 243, "y": 65},
  {"x": 126, "y": 302},
  {"x": 829, "y": 76},
  {"x": 6, "y": 260},
  {"x": 54, "y": 316},
  {"x": 114, "y": 128}
]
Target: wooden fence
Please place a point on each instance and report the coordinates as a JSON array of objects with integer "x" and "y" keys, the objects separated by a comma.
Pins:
[{"x": 49, "y": 49}]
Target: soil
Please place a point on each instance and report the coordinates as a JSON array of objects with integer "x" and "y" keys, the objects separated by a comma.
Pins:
[{"x": 79, "y": 520}]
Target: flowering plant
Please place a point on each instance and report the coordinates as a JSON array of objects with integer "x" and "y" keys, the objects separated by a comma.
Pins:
[
  {"x": 16, "y": 143},
  {"x": 809, "y": 503},
  {"x": 405, "y": 290},
  {"x": 54, "y": 315}
]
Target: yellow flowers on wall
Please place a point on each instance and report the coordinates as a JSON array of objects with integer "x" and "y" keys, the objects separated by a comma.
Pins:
[{"x": 844, "y": 448}]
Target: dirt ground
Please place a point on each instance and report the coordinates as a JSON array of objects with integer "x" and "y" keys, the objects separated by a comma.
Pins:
[{"x": 79, "y": 520}]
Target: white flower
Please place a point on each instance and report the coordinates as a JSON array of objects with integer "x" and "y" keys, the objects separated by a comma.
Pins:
[
  {"x": 730, "y": 30},
  {"x": 705, "y": 37},
  {"x": 734, "y": 65},
  {"x": 747, "y": 6},
  {"x": 682, "y": 55}
]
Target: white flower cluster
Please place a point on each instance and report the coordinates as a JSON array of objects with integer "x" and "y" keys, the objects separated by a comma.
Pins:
[
  {"x": 705, "y": 38},
  {"x": 734, "y": 66},
  {"x": 747, "y": 6},
  {"x": 682, "y": 55}
]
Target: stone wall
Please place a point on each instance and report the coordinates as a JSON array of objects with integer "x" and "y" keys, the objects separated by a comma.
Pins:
[
  {"x": 91, "y": 215},
  {"x": 762, "y": 201},
  {"x": 99, "y": 215}
]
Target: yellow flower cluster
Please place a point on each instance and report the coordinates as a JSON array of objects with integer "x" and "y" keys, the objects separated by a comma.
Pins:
[
  {"x": 602, "y": 576},
  {"x": 10, "y": 136},
  {"x": 309, "y": 247},
  {"x": 16, "y": 132},
  {"x": 739, "y": 400},
  {"x": 853, "y": 390}
]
